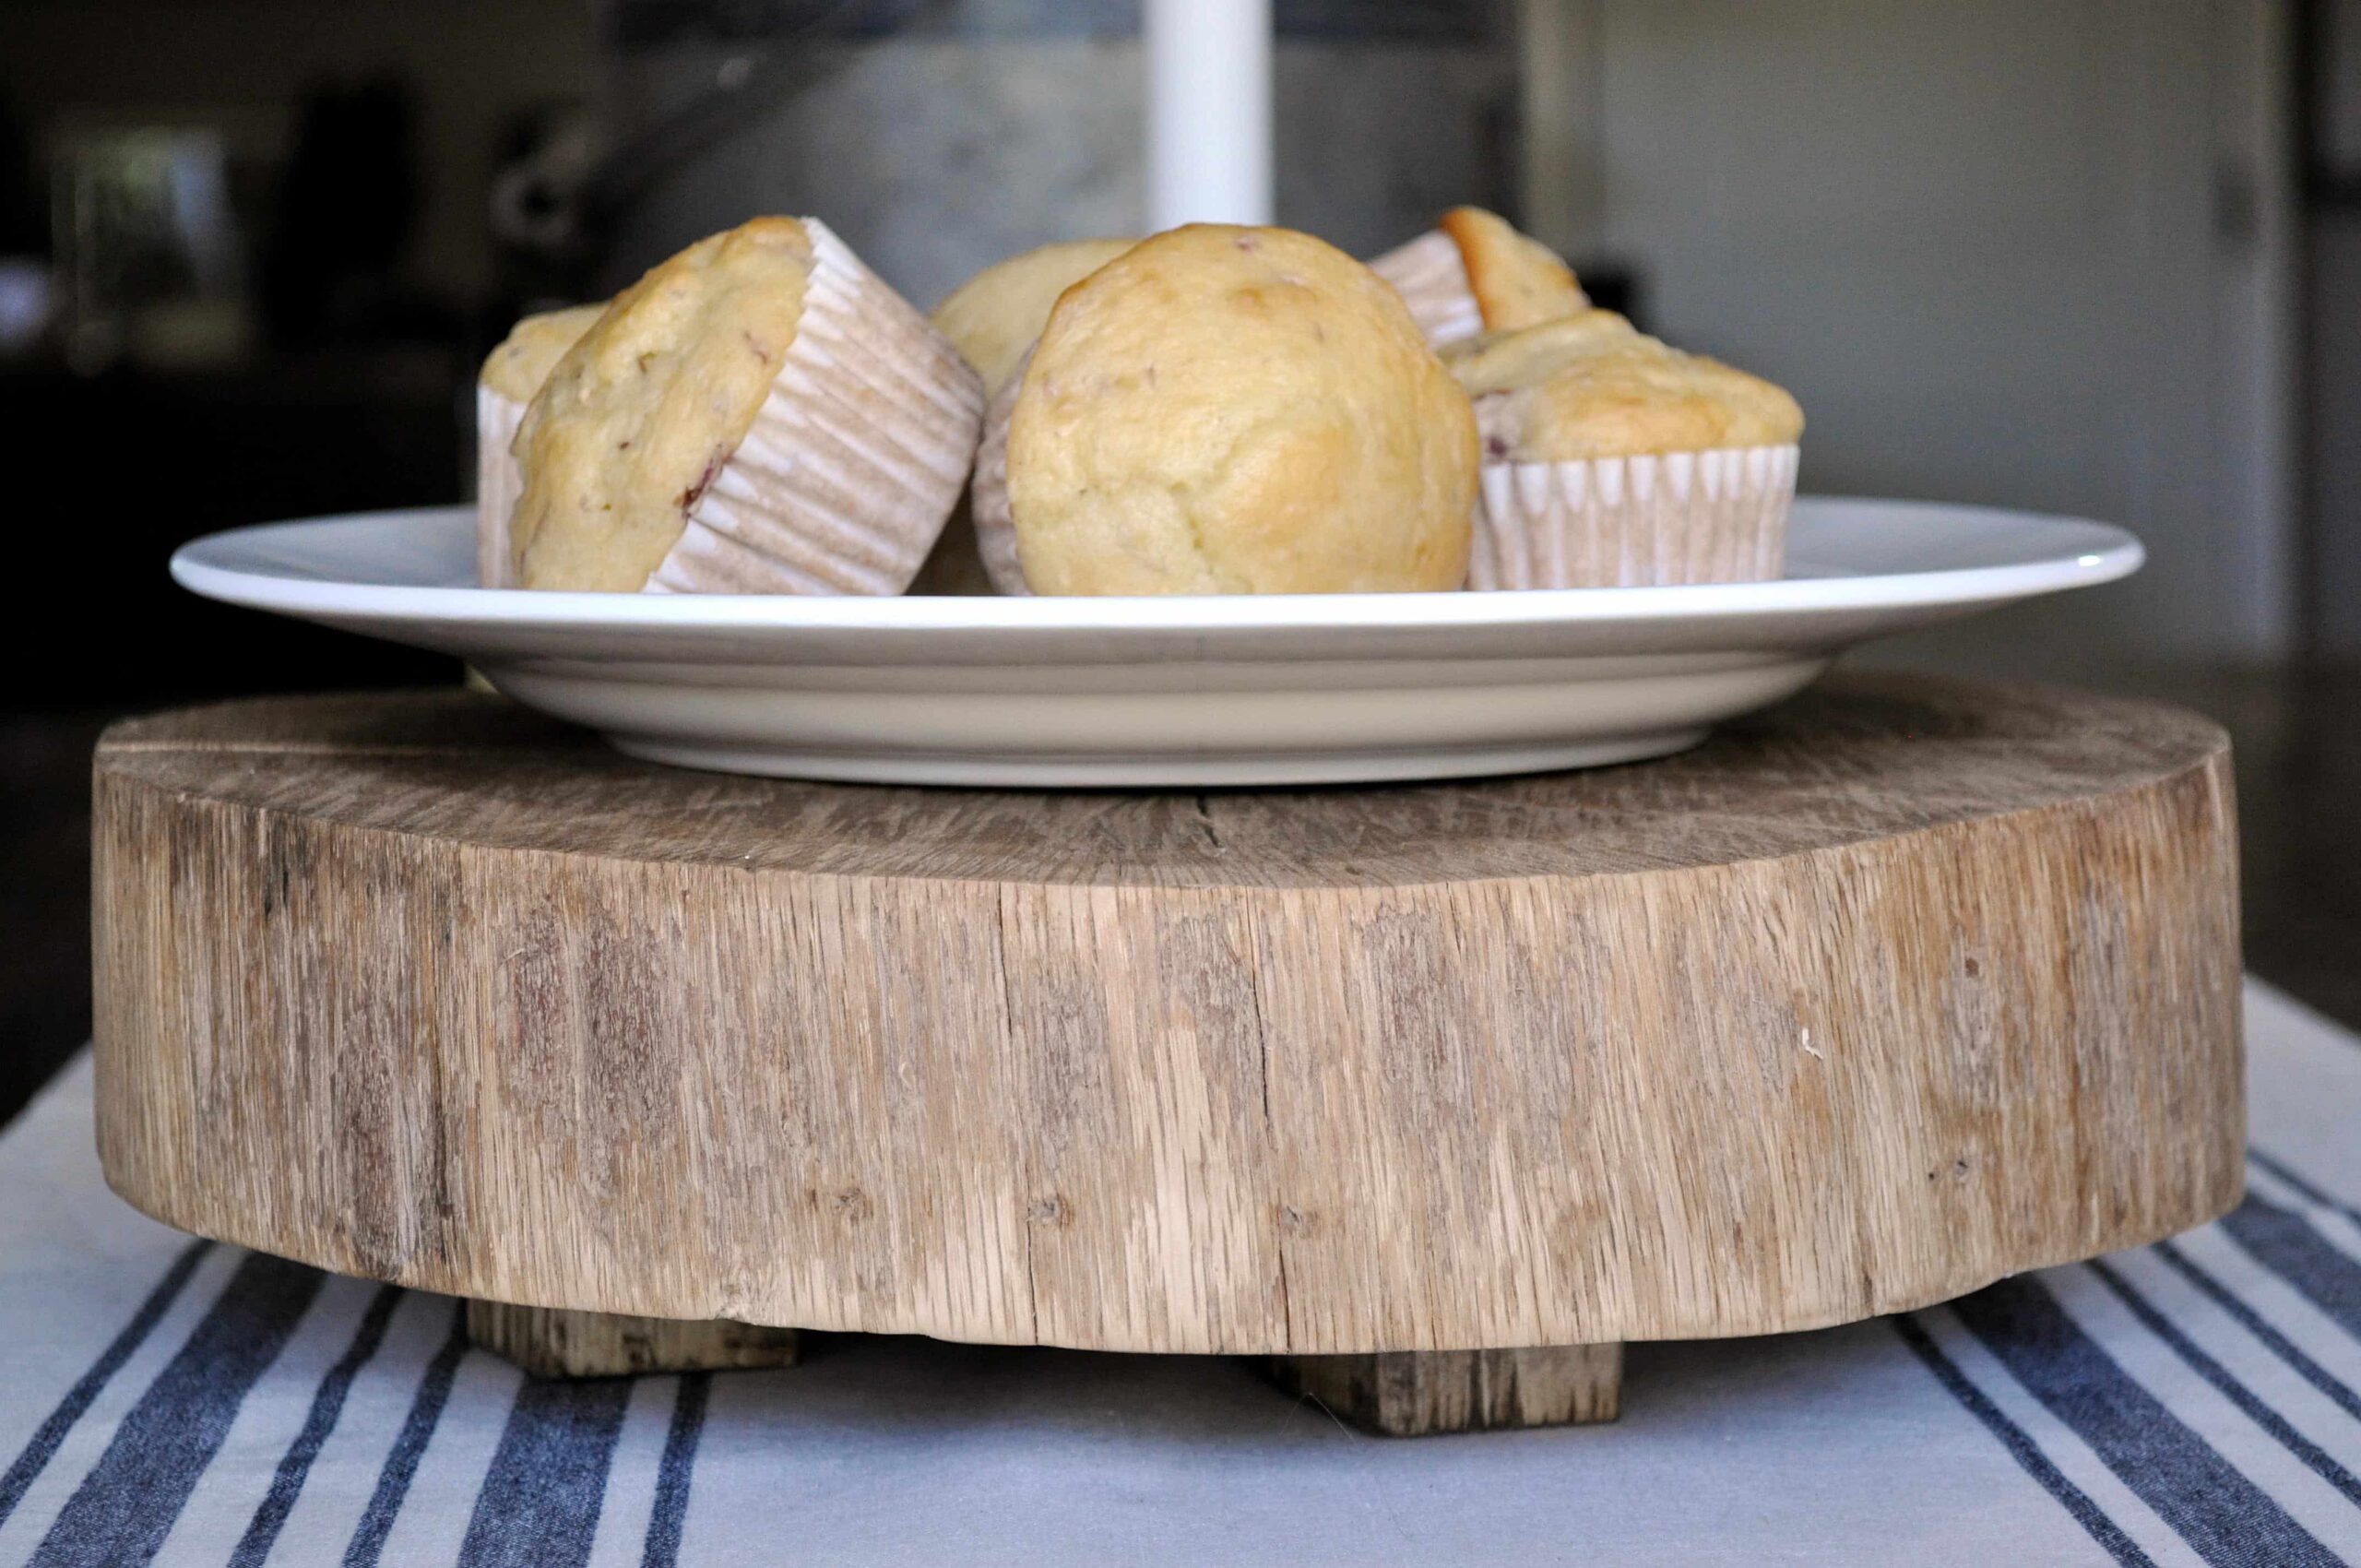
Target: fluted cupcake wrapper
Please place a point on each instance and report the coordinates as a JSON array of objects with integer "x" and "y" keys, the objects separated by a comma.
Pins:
[
  {"x": 1712, "y": 517},
  {"x": 853, "y": 462},
  {"x": 1432, "y": 276},
  {"x": 987, "y": 500},
  {"x": 498, "y": 484}
]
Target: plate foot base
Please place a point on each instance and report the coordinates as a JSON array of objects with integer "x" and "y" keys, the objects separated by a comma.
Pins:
[{"x": 1212, "y": 770}]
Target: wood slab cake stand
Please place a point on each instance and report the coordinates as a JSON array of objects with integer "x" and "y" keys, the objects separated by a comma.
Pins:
[{"x": 1437, "y": 1094}]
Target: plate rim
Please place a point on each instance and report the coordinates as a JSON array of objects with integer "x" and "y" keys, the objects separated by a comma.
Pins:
[{"x": 2115, "y": 553}]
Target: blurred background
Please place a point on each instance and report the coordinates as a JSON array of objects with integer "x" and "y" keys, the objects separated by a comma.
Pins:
[{"x": 2095, "y": 257}]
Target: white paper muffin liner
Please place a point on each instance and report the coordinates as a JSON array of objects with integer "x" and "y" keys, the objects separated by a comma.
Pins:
[
  {"x": 1712, "y": 517},
  {"x": 498, "y": 483},
  {"x": 1432, "y": 276},
  {"x": 853, "y": 462},
  {"x": 987, "y": 500}
]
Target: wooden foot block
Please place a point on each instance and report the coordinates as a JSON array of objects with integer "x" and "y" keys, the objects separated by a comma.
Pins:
[
  {"x": 1411, "y": 1394},
  {"x": 551, "y": 1342}
]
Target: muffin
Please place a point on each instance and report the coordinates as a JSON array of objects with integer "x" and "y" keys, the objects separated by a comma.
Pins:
[
  {"x": 1611, "y": 460},
  {"x": 1473, "y": 273},
  {"x": 759, "y": 414},
  {"x": 993, "y": 319},
  {"x": 1226, "y": 409},
  {"x": 510, "y": 376}
]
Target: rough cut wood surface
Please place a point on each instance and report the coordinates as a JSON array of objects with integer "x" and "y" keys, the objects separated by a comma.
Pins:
[
  {"x": 553, "y": 1342},
  {"x": 1415, "y": 1393},
  {"x": 1904, "y": 986}
]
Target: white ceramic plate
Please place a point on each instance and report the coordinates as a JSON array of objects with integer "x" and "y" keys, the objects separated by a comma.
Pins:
[{"x": 1235, "y": 689}]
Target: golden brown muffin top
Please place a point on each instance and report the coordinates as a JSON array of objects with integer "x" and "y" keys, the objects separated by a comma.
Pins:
[
  {"x": 1499, "y": 362},
  {"x": 525, "y": 358},
  {"x": 1517, "y": 280},
  {"x": 1589, "y": 386},
  {"x": 640, "y": 414},
  {"x": 993, "y": 317},
  {"x": 1226, "y": 409}
]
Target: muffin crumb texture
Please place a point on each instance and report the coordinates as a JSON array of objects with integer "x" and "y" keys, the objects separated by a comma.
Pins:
[
  {"x": 1588, "y": 385},
  {"x": 993, "y": 317},
  {"x": 523, "y": 361},
  {"x": 1226, "y": 409},
  {"x": 1517, "y": 280}
]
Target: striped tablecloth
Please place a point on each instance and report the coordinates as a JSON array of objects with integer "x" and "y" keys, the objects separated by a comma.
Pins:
[{"x": 2195, "y": 1402}]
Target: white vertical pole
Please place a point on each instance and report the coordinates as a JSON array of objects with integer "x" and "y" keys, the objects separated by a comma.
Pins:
[{"x": 1208, "y": 111}]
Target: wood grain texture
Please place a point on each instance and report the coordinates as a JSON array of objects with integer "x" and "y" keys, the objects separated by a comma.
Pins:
[
  {"x": 553, "y": 1342},
  {"x": 1414, "y": 1393},
  {"x": 1902, "y": 987}
]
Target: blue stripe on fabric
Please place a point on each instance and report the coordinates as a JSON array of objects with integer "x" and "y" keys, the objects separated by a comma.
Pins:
[
  {"x": 126, "y": 1506},
  {"x": 672, "y": 1509},
  {"x": 2310, "y": 1371},
  {"x": 2314, "y": 1457},
  {"x": 2224, "y": 1516},
  {"x": 2284, "y": 1242},
  {"x": 2325, "y": 1199},
  {"x": 540, "y": 1501},
  {"x": 2023, "y": 1449},
  {"x": 44, "y": 1445},
  {"x": 410, "y": 1445},
  {"x": 328, "y": 1404}
]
